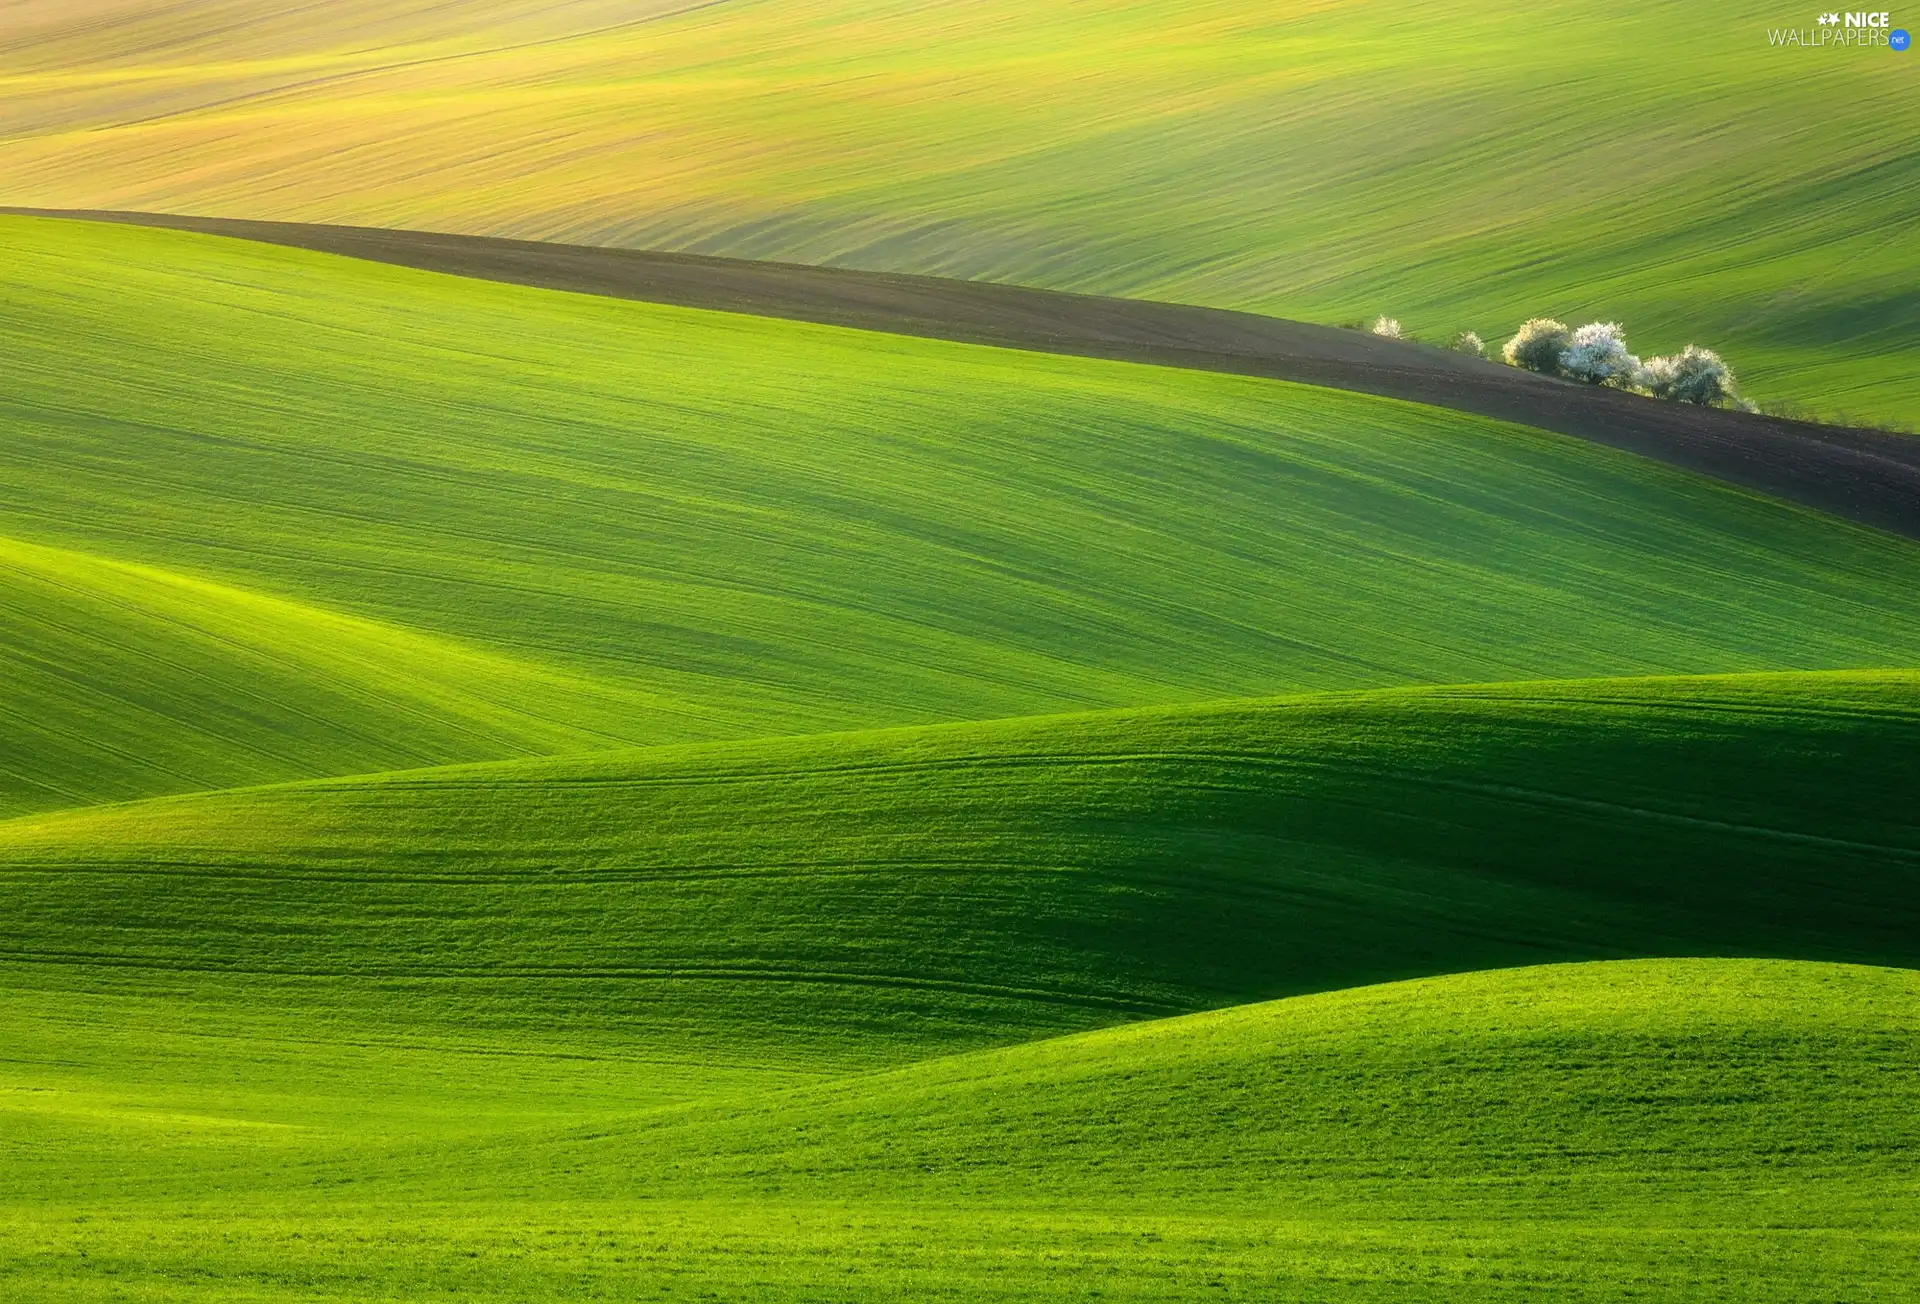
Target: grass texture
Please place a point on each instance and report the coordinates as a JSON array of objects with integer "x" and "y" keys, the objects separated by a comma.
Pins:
[
  {"x": 1585, "y": 989},
  {"x": 531, "y": 522},
  {"x": 862, "y": 899},
  {"x": 1456, "y": 165},
  {"x": 1697, "y": 1130},
  {"x": 125, "y": 680}
]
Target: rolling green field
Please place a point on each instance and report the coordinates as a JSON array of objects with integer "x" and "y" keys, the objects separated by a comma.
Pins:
[
  {"x": 516, "y": 796},
  {"x": 1696, "y": 1130},
  {"x": 783, "y": 1019},
  {"x": 533, "y": 522},
  {"x": 864, "y": 897},
  {"x": 1457, "y": 165}
]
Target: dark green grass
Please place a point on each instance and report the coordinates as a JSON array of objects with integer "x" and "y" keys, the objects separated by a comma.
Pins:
[
  {"x": 847, "y": 900},
  {"x": 615, "y": 521},
  {"x": 1677, "y": 1130}
]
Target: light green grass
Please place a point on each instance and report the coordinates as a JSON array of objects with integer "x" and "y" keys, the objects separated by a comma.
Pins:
[
  {"x": 125, "y": 680},
  {"x": 1482, "y": 1093},
  {"x": 1458, "y": 164},
  {"x": 1686, "y": 1130},
  {"x": 648, "y": 524}
]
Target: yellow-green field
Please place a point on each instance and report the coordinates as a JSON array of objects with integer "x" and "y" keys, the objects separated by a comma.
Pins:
[{"x": 1459, "y": 165}]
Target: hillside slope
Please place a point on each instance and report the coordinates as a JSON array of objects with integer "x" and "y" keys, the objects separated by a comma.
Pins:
[
  {"x": 1696, "y": 1130},
  {"x": 1864, "y": 475},
  {"x": 858, "y": 899},
  {"x": 124, "y": 680},
  {"x": 1476, "y": 1092},
  {"x": 1442, "y": 162},
  {"x": 734, "y": 527}
]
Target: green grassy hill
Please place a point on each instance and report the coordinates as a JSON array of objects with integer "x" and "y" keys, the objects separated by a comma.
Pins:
[
  {"x": 1459, "y": 164},
  {"x": 1693, "y": 1130},
  {"x": 804, "y": 934},
  {"x": 1472, "y": 1095},
  {"x": 615, "y": 521},
  {"x": 124, "y": 680},
  {"x": 867, "y": 898}
]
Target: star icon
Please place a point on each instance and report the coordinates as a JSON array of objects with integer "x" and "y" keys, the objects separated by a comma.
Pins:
[{"x": 1829, "y": 20}]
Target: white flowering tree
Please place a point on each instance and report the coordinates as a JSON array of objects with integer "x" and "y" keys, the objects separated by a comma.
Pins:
[
  {"x": 1468, "y": 342},
  {"x": 1387, "y": 328},
  {"x": 1597, "y": 355},
  {"x": 1695, "y": 375},
  {"x": 1537, "y": 346}
]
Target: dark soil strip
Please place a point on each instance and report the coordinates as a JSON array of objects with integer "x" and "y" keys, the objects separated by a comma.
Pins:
[{"x": 1868, "y": 476}]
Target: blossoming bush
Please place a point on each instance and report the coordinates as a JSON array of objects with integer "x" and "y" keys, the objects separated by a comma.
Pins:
[
  {"x": 1387, "y": 327},
  {"x": 1537, "y": 346},
  {"x": 1695, "y": 375},
  {"x": 1597, "y": 355}
]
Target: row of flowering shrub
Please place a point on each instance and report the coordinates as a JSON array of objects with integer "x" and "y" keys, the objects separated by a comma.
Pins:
[{"x": 1596, "y": 354}]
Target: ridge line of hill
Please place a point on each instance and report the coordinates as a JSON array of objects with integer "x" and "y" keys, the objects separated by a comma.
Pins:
[
  {"x": 1868, "y": 476},
  {"x": 887, "y": 913},
  {"x": 294, "y": 685},
  {"x": 755, "y": 766}
]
